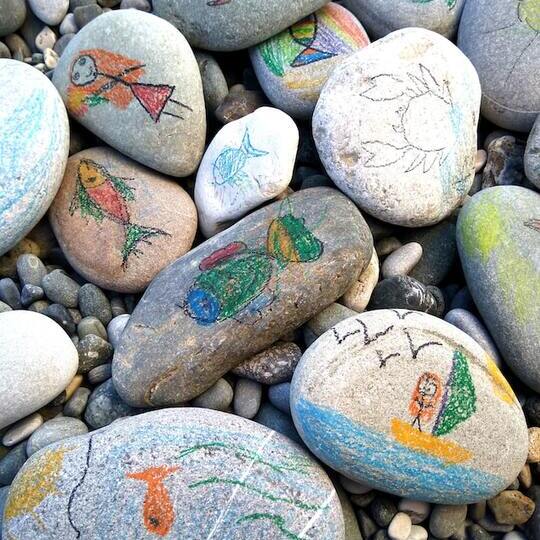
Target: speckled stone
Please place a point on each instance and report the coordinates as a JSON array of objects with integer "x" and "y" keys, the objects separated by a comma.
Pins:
[
  {"x": 9, "y": 293},
  {"x": 185, "y": 334},
  {"x": 60, "y": 288},
  {"x": 239, "y": 102},
  {"x": 532, "y": 154},
  {"x": 511, "y": 507},
  {"x": 119, "y": 247},
  {"x": 93, "y": 351},
  {"x": 94, "y": 302},
  {"x": 292, "y": 77},
  {"x": 498, "y": 240},
  {"x": 203, "y": 457},
  {"x": 37, "y": 361},
  {"x": 136, "y": 120},
  {"x": 54, "y": 430},
  {"x": 504, "y": 50},
  {"x": 445, "y": 520},
  {"x": 355, "y": 401},
  {"x": 99, "y": 374},
  {"x": 504, "y": 165},
  {"x": 34, "y": 147},
  {"x": 30, "y": 269},
  {"x": 76, "y": 404},
  {"x": 91, "y": 325},
  {"x": 441, "y": 16},
  {"x": 59, "y": 314},
  {"x": 226, "y": 25},
  {"x": 380, "y": 120}
]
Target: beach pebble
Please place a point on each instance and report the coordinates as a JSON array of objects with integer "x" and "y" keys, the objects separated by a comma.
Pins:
[
  {"x": 157, "y": 116},
  {"x": 532, "y": 154},
  {"x": 249, "y": 161},
  {"x": 9, "y": 293},
  {"x": 86, "y": 14},
  {"x": 202, "y": 455},
  {"x": 239, "y": 102},
  {"x": 76, "y": 404},
  {"x": 11, "y": 463},
  {"x": 37, "y": 361},
  {"x": 22, "y": 429},
  {"x": 116, "y": 327},
  {"x": 215, "y": 86},
  {"x": 218, "y": 397},
  {"x": 30, "y": 269},
  {"x": 68, "y": 25},
  {"x": 504, "y": 51},
  {"x": 12, "y": 15},
  {"x": 358, "y": 296},
  {"x": 400, "y": 527},
  {"x": 380, "y": 120},
  {"x": 247, "y": 398},
  {"x": 360, "y": 392},
  {"x": 60, "y": 288},
  {"x": 61, "y": 44},
  {"x": 120, "y": 223},
  {"x": 141, "y": 5},
  {"x": 504, "y": 165},
  {"x": 441, "y": 16},
  {"x": 93, "y": 302},
  {"x": 498, "y": 236},
  {"x": 445, "y": 520},
  {"x": 401, "y": 261},
  {"x": 54, "y": 430},
  {"x": 51, "y": 12},
  {"x": 418, "y": 511},
  {"x": 34, "y": 144},
  {"x": 418, "y": 533},
  {"x": 328, "y": 317},
  {"x": 231, "y": 25},
  {"x": 45, "y": 39},
  {"x": 59, "y": 314},
  {"x": 272, "y": 366},
  {"x": 278, "y": 421},
  {"x": 511, "y": 507},
  {"x": 4, "y": 307},
  {"x": 534, "y": 445},
  {"x": 93, "y": 351},
  {"x": 185, "y": 334},
  {"x": 383, "y": 511},
  {"x": 291, "y": 73},
  {"x": 91, "y": 325},
  {"x": 99, "y": 374},
  {"x": 30, "y": 294}
]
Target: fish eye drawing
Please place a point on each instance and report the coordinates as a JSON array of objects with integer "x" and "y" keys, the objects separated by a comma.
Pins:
[
  {"x": 236, "y": 281},
  {"x": 418, "y": 146},
  {"x": 99, "y": 195},
  {"x": 451, "y": 4},
  {"x": 528, "y": 17},
  {"x": 99, "y": 76}
]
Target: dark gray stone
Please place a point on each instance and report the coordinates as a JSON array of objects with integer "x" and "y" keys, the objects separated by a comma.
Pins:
[
  {"x": 12, "y": 15},
  {"x": 4, "y": 50},
  {"x": 59, "y": 314},
  {"x": 274, "y": 419},
  {"x": 61, "y": 44},
  {"x": 30, "y": 269},
  {"x": 445, "y": 520},
  {"x": 280, "y": 396},
  {"x": 184, "y": 334},
  {"x": 383, "y": 510},
  {"x": 247, "y": 398},
  {"x": 86, "y": 14},
  {"x": 93, "y": 302},
  {"x": 61, "y": 289},
  {"x": 40, "y": 306},
  {"x": 215, "y": 86},
  {"x": 31, "y": 294},
  {"x": 9, "y": 293},
  {"x": 11, "y": 463},
  {"x": 76, "y": 404},
  {"x": 99, "y": 374},
  {"x": 91, "y": 325},
  {"x": 475, "y": 532},
  {"x": 504, "y": 165},
  {"x": 93, "y": 351},
  {"x": 366, "y": 524}
]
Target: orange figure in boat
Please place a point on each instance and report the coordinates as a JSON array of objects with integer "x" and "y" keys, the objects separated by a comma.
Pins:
[
  {"x": 158, "y": 511},
  {"x": 425, "y": 398},
  {"x": 99, "y": 76}
]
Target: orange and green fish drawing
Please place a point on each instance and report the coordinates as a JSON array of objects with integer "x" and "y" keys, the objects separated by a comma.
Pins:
[
  {"x": 158, "y": 511},
  {"x": 100, "y": 195}
]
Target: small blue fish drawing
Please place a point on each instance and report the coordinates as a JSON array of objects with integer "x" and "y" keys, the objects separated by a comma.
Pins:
[{"x": 229, "y": 165}]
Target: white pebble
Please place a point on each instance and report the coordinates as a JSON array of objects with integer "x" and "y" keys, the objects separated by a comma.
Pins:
[
  {"x": 400, "y": 527},
  {"x": 401, "y": 261},
  {"x": 418, "y": 533}
]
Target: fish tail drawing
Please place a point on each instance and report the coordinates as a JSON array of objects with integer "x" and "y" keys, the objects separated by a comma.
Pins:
[
  {"x": 134, "y": 234},
  {"x": 249, "y": 149},
  {"x": 154, "y": 475}
]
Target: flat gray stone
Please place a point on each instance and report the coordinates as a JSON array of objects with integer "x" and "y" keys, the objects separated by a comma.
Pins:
[
  {"x": 247, "y": 398},
  {"x": 156, "y": 114},
  {"x": 237, "y": 293},
  {"x": 498, "y": 236},
  {"x": 182, "y": 473},
  {"x": 231, "y": 25},
  {"x": 54, "y": 430},
  {"x": 34, "y": 145},
  {"x": 506, "y": 53}
]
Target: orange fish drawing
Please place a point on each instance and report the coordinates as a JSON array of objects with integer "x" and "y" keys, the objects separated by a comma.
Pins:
[{"x": 158, "y": 511}]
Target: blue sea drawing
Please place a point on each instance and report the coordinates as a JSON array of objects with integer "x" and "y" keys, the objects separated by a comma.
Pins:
[
  {"x": 229, "y": 166},
  {"x": 385, "y": 464}
]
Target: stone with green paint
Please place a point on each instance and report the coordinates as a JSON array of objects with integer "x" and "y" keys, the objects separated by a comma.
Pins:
[
  {"x": 175, "y": 473},
  {"x": 237, "y": 293},
  {"x": 499, "y": 244}
]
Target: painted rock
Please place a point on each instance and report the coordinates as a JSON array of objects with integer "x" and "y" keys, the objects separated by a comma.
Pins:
[
  {"x": 37, "y": 362},
  {"x": 238, "y": 293},
  {"x": 250, "y": 161},
  {"x": 501, "y": 39},
  {"x": 119, "y": 223},
  {"x": 231, "y": 25},
  {"x": 293, "y": 66},
  {"x": 397, "y": 132},
  {"x": 215, "y": 476},
  {"x": 34, "y": 144},
  {"x": 532, "y": 154},
  {"x": 441, "y": 16},
  {"x": 499, "y": 245},
  {"x": 406, "y": 403},
  {"x": 144, "y": 102}
]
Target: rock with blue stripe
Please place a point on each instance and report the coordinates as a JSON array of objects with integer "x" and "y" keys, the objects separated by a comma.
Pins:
[{"x": 411, "y": 405}]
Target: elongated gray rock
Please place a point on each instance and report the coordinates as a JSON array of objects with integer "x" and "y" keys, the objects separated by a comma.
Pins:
[
  {"x": 231, "y": 25},
  {"x": 142, "y": 96},
  {"x": 237, "y": 293},
  {"x": 215, "y": 475}
]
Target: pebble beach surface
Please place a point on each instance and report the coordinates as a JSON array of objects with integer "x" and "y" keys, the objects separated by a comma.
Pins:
[{"x": 269, "y": 270}]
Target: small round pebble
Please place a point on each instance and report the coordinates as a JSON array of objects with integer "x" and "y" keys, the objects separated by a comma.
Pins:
[
  {"x": 61, "y": 289},
  {"x": 116, "y": 327},
  {"x": 94, "y": 302},
  {"x": 31, "y": 294},
  {"x": 279, "y": 396},
  {"x": 40, "y": 306},
  {"x": 356, "y": 488},
  {"x": 45, "y": 39},
  {"x": 85, "y": 14},
  {"x": 93, "y": 351},
  {"x": 99, "y": 374},
  {"x": 446, "y": 519},
  {"x": 383, "y": 510},
  {"x": 418, "y": 533},
  {"x": 68, "y": 25},
  {"x": 475, "y": 532},
  {"x": 76, "y": 404},
  {"x": 117, "y": 306},
  {"x": 54, "y": 430},
  {"x": 218, "y": 397},
  {"x": 417, "y": 510},
  {"x": 91, "y": 325},
  {"x": 247, "y": 398},
  {"x": 401, "y": 261},
  {"x": 400, "y": 527},
  {"x": 22, "y": 429},
  {"x": 30, "y": 269}
]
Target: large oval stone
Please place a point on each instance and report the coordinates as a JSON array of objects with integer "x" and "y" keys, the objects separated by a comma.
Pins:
[
  {"x": 501, "y": 39},
  {"x": 231, "y": 25},
  {"x": 37, "y": 362},
  {"x": 441, "y": 16},
  {"x": 237, "y": 293},
  {"x": 132, "y": 79},
  {"x": 499, "y": 244},
  {"x": 395, "y": 127},
  {"x": 119, "y": 223},
  {"x": 34, "y": 145},
  {"x": 409, "y": 404},
  {"x": 174, "y": 473}
]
